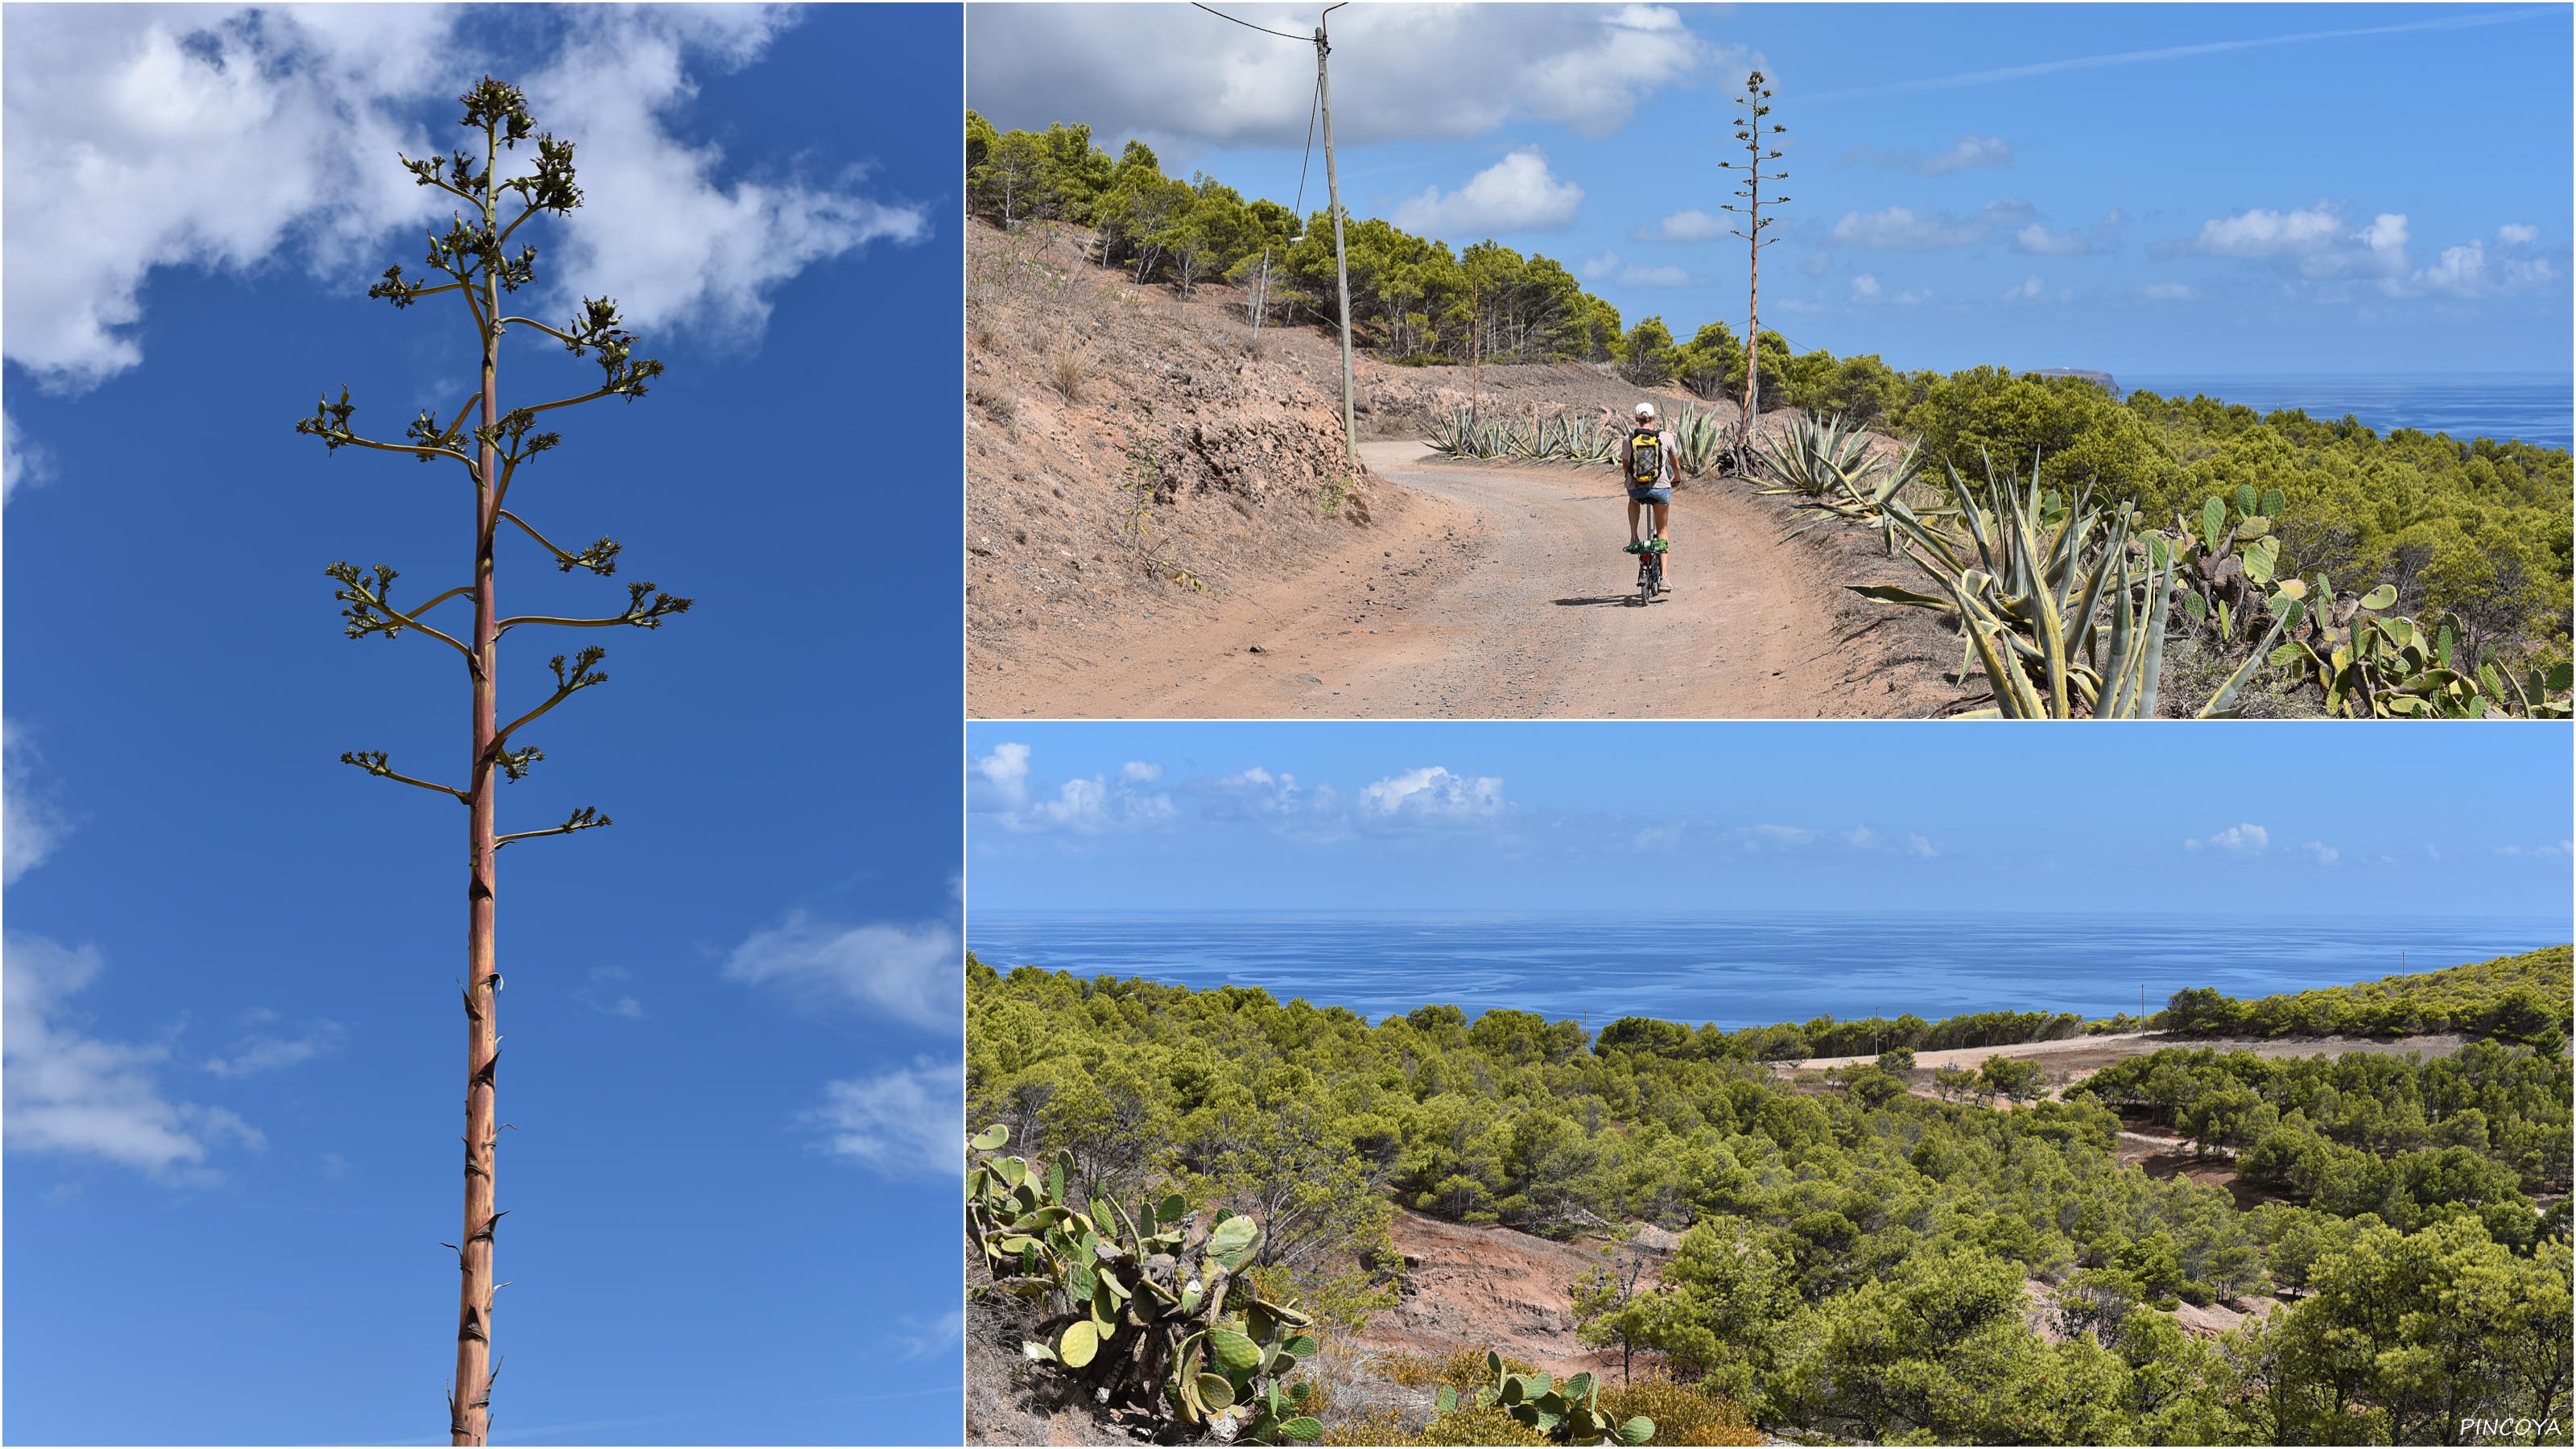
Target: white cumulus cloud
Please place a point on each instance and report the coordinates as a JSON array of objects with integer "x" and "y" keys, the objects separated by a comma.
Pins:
[
  {"x": 219, "y": 138},
  {"x": 1517, "y": 193},
  {"x": 1433, "y": 792},
  {"x": 2517, "y": 234},
  {"x": 1400, "y": 72},
  {"x": 2247, "y": 839},
  {"x": 1005, "y": 775},
  {"x": 2463, "y": 271},
  {"x": 2315, "y": 242}
]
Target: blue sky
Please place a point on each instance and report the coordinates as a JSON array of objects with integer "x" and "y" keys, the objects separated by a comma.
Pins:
[
  {"x": 1769, "y": 817},
  {"x": 234, "y": 1045},
  {"x": 2200, "y": 190}
]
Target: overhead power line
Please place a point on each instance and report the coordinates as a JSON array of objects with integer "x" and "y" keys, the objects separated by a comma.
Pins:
[{"x": 1248, "y": 25}]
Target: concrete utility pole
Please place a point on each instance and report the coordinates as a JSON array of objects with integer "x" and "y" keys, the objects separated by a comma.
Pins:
[{"x": 1341, "y": 260}]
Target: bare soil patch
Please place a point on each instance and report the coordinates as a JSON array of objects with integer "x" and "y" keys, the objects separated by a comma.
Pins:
[{"x": 1468, "y": 1287}]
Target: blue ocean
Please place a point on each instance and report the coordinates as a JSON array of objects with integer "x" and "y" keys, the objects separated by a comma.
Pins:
[
  {"x": 1741, "y": 970},
  {"x": 2532, "y": 407}
]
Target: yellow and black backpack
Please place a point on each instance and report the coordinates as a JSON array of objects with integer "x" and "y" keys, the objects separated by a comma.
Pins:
[{"x": 1646, "y": 458}]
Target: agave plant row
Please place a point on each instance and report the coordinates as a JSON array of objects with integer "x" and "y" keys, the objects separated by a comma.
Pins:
[
  {"x": 2024, "y": 574},
  {"x": 1700, "y": 438},
  {"x": 2028, "y": 576}
]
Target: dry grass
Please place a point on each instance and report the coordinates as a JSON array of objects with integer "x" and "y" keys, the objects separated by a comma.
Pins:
[
  {"x": 1064, "y": 374},
  {"x": 1682, "y": 1414},
  {"x": 1000, "y": 407},
  {"x": 1463, "y": 1370},
  {"x": 1488, "y": 1424}
]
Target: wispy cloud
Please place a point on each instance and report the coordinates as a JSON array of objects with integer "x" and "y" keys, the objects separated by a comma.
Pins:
[
  {"x": 914, "y": 1339},
  {"x": 1608, "y": 267},
  {"x": 605, "y": 993},
  {"x": 1972, "y": 150},
  {"x": 30, "y": 826},
  {"x": 256, "y": 1052},
  {"x": 911, "y": 971},
  {"x": 2325, "y": 854},
  {"x": 904, "y": 1122},
  {"x": 1905, "y": 229},
  {"x": 2179, "y": 52},
  {"x": 1684, "y": 226},
  {"x": 74, "y": 1094},
  {"x": 22, "y": 463}
]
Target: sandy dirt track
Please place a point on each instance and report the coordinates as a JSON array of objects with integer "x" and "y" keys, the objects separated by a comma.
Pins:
[
  {"x": 2074, "y": 1058},
  {"x": 1503, "y": 593}
]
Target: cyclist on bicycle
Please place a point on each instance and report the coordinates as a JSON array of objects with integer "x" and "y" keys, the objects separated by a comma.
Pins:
[{"x": 1646, "y": 461}]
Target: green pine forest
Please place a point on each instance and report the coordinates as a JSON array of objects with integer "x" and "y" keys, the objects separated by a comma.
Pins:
[
  {"x": 2475, "y": 532},
  {"x": 1859, "y": 1261}
]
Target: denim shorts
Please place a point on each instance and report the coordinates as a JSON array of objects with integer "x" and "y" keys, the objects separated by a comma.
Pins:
[{"x": 1650, "y": 495}]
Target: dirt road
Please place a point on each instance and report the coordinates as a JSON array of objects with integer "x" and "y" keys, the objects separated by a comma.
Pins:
[
  {"x": 1503, "y": 593},
  {"x": 2072, "y": 1059}
]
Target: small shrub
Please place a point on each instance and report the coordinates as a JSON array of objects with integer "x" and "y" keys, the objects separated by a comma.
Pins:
[
  {"x": 1386, "y": 1426},
  {"x": 1483, "y": 1424},
  {"x": 1462, "y": 1369},
  {"x": 1682, "y": 1414},
  {"x": 2193, "y": 671}
]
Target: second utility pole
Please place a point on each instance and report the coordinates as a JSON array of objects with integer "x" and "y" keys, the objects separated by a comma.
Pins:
[{"x": 1341, "y": 262}]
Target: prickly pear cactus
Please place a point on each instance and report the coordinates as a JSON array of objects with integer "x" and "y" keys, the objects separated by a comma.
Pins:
[
  {"x": 1149, "y": 1310},
  {"x": 1568, "y": 1412},
  {"x": 2373, "y": 665},
  {"x": 2229, "y": 565}
]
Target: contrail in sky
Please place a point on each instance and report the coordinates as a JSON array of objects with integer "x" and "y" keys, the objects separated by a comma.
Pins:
[{"x": 2182, "y": 52}]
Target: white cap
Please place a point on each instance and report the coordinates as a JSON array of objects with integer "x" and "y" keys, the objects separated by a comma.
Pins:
[{"x": 1645, "y": 410}]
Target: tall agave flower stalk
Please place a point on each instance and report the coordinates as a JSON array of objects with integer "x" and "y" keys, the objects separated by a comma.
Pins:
[
  {"x": 2032, "y": 581},
  {"x": 470, "y": 255}
]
